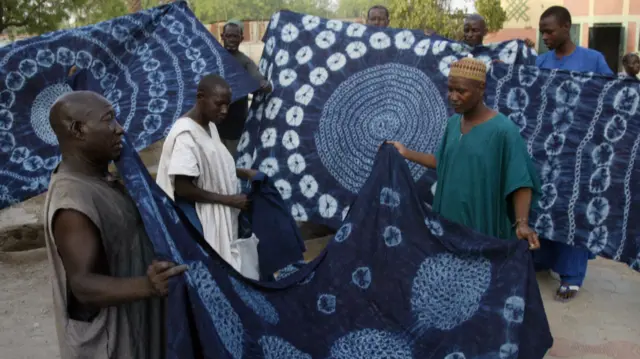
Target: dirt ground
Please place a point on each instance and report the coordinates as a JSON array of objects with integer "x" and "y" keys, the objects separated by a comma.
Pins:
[{"x": 602, "y": 323}]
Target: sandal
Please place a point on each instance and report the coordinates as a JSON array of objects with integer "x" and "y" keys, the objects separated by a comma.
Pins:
[{"x": 566, "y": 292}]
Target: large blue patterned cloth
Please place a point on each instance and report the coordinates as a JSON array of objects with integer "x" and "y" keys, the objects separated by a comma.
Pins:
[
  {"x": 395, "y": 282},
  {"x": 341, "y": 89},
  {"x": 147, "y": 64}
]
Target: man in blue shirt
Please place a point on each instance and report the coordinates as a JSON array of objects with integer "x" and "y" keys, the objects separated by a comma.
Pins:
[{"x": 555, "y": 25}]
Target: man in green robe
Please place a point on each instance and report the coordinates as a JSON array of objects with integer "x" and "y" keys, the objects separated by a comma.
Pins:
[{"x": 486, "y": 179}]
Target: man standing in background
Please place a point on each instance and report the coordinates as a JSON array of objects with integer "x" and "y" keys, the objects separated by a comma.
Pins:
[
  {"x": 631, "y": 64},
  {"x": 569, "y": 262},
  {"x": 231, "y": 129},
  {"x": 378, "y": 15}
]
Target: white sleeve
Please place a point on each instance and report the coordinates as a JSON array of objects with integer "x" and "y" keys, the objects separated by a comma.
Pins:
[{"x": 183, "y": 158}]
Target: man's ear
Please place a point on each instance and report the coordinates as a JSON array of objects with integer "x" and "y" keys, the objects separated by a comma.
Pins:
[{"x": 76, "y": 129}]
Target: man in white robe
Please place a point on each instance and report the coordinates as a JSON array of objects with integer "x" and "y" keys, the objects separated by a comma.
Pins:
[{"x": 196, "y": 167}]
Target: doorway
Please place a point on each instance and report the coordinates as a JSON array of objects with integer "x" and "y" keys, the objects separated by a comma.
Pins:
[{"x": 608, "y": 39}]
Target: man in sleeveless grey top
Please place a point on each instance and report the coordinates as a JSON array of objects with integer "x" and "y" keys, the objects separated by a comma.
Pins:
[{"x": 107, "y": 288}]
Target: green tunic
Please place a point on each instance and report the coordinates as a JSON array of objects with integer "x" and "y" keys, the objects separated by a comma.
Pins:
[{"x": 478, "y": 172}]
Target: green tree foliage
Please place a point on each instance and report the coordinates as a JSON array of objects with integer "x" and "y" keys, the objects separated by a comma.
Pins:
[
  {"x": 436, "y": 15},
  {"x": 357, "y": 8},
  {"x": 36, "y": 16},
  {"x": 493, "y": 13},
  {"x": 210, "y": 11}
]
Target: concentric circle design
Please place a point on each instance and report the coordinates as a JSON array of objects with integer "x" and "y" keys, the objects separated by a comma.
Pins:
[
  {"x": 40, "y": 111},
  {"x": 386, "y": 102}
]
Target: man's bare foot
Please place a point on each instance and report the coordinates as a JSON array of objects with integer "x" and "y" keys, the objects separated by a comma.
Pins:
[{"x": 567, "y": 292}]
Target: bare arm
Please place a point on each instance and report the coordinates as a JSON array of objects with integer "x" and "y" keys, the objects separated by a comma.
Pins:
[
  {"x": 80, "y": 248},
  {"x": 424, "y": 159},
  {"x": 521, "y": 204},
  {"x": 184, "y": 188}
]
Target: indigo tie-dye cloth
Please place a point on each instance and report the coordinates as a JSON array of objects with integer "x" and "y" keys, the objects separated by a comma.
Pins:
[
  {"x": 395, "y": 282},
  {"x": 341, "y": 89},
  {"x": 147, "y": 64}
]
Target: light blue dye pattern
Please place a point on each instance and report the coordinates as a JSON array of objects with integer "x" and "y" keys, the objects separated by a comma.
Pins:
[
  {"x": 278, "y": 348},
  {"x": 326, "y": 303},
  {"x": 371, "y": 344},
  {"x": 343, "y": 233},
  {"x": 361, "y": 277},
  {"x": 256, "y": 301},
  {"x": 392, "y": 236},
  {"x": 509, "y": 351},
  {"x": 389, "y": 197},
  {"x": 514, "y": 309},
  {"x": 456, "y": 355},
  {"x": 224, "y": 317},
  {"x": 448, "y": 290}
]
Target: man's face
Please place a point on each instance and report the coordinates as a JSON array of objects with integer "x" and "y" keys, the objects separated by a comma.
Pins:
[
  {"x": 232, "y": 37},
  {"x": 632, "y": 67},
  {"x": 474, "y": 32},
  {"x": 378, "y": 17},
  {"x": 464, "y": 94},
  {"x": 98, "y": 132},
  {"x": 553, "y": 34},
  {"x": 215, "y": 104}
]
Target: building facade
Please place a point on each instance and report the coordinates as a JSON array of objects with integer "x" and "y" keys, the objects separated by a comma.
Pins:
[{"x": 609, "y": 26}]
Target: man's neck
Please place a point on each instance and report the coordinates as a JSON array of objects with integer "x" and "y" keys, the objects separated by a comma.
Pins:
[
  {"x": 566, "y": 49},
  {"x": 196, "y": 115},
  {"x": 480, "y": 113},
  {"x": 77, "y": 162}
]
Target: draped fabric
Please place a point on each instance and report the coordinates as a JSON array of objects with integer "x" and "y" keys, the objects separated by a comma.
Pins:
[
  {"x": 396, "y": 282},
  {"x": 342, "y": 88},
  {"x": 147, "y": 64}
]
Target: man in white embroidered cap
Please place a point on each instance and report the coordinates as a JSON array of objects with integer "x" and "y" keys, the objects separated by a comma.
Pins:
[{"x": 486, "y": 179}]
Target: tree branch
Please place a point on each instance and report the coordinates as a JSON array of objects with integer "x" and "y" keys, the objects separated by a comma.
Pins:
[{"x": 24, "y": 21}]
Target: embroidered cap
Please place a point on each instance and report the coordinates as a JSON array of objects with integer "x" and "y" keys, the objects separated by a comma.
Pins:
[{"x": 469, "y": 68}]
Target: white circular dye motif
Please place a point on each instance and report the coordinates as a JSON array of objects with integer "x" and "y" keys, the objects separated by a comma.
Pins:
[
  {"x": 439, "y": 46},
  {"x": 274, "y": 20},
  {"x": 568, "y": 93},
  {"x": 310, "y": 22},
  {"x": 284, "y": 188},
  {"x": 356, "y": 49},
  {"x": 627, "y": 101},
  {"x": 615, "y": 128},
  {"x": 14, "y": 81},
  {"x": 386, "y": 102},
  {"x": 308, "y": 186},
  {"x": 335, "y": 25},
  {"x": 380, "y": 41},
  {"x": 356, "y": 30},
  {"x": 404, "y": 40},
  {"x": 282, "y": 58},
  {"x": 40, "y": 111},
  {"x": 244, "y": 141},
  {"x": 269, "y": 137},
  {"x": 304, "y": 54},
  {"x": 269, "y": 166},
  {"x": 325, "y": 39},
  {"x": 273, "y": 107},
  {"x": 336, "y": 61},
  {"x": 445, "y": 64},
  {"x": 517, "y": 99},
  {"x": 270, "y": 45},
  {"x": 509, "y": 53},
  {"x": 318, "y": 76},
  {"x": 298, "y": 213},
  {"x": 422, "y": 47},
  {"x": 327, "y": 206},
  {"x": 290, "y": 140},
  {"x": 28, "y": 67},
  {"x": 304, "y": 95},
  {"x": 297, "y": 164},
  {"x": 294, "y": 116},
  {"x": 289, "y": 33},
  {"x": 598, "y": 210},
  {"x": 287, "y": 77},
  {"x": 244, "y": 161}
]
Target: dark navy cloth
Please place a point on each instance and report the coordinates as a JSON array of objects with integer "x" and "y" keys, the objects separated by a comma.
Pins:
[
  {"x": 147, "y": 64},
  {"x": 281, "y": 243},
  {"x": 340, "y": 89},
  {"x": 397, "y": 281}
]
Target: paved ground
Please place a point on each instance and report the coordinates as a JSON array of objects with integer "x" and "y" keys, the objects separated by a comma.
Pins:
[{"x": 602, "y": 323}]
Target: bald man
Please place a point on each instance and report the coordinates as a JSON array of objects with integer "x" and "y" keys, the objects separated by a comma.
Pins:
[
  {"x": 475, "y": 29},
  {"x": 107, "y": 287},
  {"x": 198, "y": 171},
  {"x": 485, "y": 176}
]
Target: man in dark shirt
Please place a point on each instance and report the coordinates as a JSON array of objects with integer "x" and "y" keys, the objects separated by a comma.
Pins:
[
  {"x": 631, "y": 64},
  {"x": 231, "y": 129}
]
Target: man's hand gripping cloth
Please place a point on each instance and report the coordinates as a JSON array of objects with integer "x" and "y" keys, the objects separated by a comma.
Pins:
[
  {"x": 395, "y": 282},
  {"x": 190, "y": 151}
]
